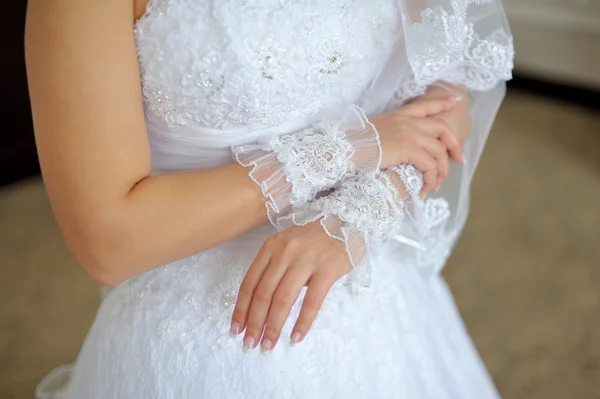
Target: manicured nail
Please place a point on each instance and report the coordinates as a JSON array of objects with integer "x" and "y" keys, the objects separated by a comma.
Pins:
[
  {"x": 456, "y": 98},
  {"x": 235, "y": 330},
  {"x": 266, "y": 346},
  {"x": 295, "y": 339},
  {"x": 248, "y": 344}
]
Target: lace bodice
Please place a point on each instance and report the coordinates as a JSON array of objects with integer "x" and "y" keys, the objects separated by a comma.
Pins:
[
  {"x": 230, "y": 63},
  {"x": 217, "y": 74}
]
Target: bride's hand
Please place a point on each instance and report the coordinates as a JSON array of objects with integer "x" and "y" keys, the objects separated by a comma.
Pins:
[
  {"x": 287, "y": 262},
  {"x": 411, "y": 135}
]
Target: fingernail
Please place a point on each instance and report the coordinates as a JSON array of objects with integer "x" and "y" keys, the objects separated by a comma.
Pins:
[
  {"x": 235, "y": 330},
  {"x": 248, "y": 344},
  {"x": 266, "y": 346},
  {"x": 295, "y": 339},
  {"x": 456, "y": 98}
]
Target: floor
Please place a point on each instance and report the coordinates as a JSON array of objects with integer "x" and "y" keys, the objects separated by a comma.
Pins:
[{"x": 526, "y": 273}]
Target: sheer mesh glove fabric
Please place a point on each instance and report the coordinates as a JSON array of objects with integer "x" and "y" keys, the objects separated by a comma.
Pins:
[
  {"x": 292, "y": 169},
  {"x": 367, "y": 209}
]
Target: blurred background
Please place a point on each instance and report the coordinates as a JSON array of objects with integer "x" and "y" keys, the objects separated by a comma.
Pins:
[{"x": 526, "y": 273}]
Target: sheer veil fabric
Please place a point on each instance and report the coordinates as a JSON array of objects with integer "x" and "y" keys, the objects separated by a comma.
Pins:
[
  {"x": 464, "y": 42},
  {"x": 267, "y": 67}
]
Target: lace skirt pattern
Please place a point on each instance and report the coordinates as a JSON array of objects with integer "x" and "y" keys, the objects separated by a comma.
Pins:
[{"x": 164, "y": 335}]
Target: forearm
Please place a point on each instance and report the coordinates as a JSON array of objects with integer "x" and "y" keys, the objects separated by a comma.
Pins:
[
  {"x": 164, "y": 218},
  {"x": 117, "y": 220}
]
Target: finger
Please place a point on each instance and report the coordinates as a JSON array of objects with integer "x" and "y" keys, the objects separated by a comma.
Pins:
[
  {"x": 247, "y": 288},
  {"x": 442, "y": 131},
  {"x": 430, "y": 180},
  {"x": 422, "y": 160},
  {"x": 443, "y": 169},
  {"x": 262, "y": 301},
  {"x": 439, "y": 152},
  {"x": 284, "y": 298},
  {"x": 319, "y": 286},
  {"x": 427, "y": 107},
  {"x": 418, "y": 157},
  {"x": 450, "y": 140}
]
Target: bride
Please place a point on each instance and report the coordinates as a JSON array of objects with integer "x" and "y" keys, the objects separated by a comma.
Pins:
[{"x": 287, "y": 176}]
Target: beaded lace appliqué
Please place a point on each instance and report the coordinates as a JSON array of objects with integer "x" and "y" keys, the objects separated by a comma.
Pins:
[
  {"x": 292, "y": 169},
  {"x": 365, "y": 201},
  {"x": 245, "y": 62},
  {"x": 369, "y": 208},
  {"x": 314, "y": 161},
  {"x": 411, "y": 177},
  {"x": 445, "y": 46}
]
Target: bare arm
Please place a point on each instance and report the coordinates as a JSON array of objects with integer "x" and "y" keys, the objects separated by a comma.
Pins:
[{"x": 117, "y": 220}]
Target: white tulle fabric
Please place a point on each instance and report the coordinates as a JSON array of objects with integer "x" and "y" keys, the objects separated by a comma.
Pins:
[
  {"x": 367, "y": 209},
  {"x": 223, "y": 73},
  {"x": 292, "y": 169}
]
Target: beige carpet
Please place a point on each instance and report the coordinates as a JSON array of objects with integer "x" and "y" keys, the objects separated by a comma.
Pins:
[{"x": 526, "y": 273}]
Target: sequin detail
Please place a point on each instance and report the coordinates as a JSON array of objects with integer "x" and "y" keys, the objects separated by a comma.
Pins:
[
  {"x": 445, "y": 46},
  {"x": 258, "y": 63},
  {"x": 367, "y": 201},
  {"x": 293, "y": 169},
  {"x": 314, "y": 161},
  {"x": 369, "y": 208}
]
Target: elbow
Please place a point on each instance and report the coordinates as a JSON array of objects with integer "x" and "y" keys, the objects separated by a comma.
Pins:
[
  {"x": 101, "y": 276},
  {"x": 102, "y": 252},
  {"x": 100, "y": 271}
]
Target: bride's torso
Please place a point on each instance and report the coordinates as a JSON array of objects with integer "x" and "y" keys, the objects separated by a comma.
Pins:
[
  {"x": 219, "y": 72},
  {"x": 222, "y": 72}
]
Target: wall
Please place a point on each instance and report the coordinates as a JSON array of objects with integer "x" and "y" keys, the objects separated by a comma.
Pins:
[{"x": 557, "y": 40}]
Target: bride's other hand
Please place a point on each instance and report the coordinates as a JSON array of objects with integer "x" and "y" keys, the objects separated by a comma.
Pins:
[
  {"x": 288, "y": 261},
  {"x": 412, "y": 135},
  {"x": 458, "y": 117}
]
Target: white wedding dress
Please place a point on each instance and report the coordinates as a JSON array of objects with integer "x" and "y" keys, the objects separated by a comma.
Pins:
[{"x": 223, "y": 73}]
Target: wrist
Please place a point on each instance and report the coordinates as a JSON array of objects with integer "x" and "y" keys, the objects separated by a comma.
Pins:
[{"x": 365, "y": 140}]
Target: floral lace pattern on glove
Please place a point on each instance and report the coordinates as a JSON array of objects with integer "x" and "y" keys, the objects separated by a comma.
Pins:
[
  {"x": 313, "y": 160},
  {"x": 368, "y": 209},
  {"x": 292, "y": 169}
]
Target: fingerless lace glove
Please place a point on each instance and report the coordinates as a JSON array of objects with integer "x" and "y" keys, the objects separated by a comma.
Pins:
[
  {"x": 369, "y": 208},
  {"x": 292, "y": 169}
]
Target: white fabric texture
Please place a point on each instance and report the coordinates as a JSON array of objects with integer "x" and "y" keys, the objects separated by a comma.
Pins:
[
  {"x": 370, "y": 207},
  {"x": 291, "y": 169},
  {"x": 218, "y": 74}
]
